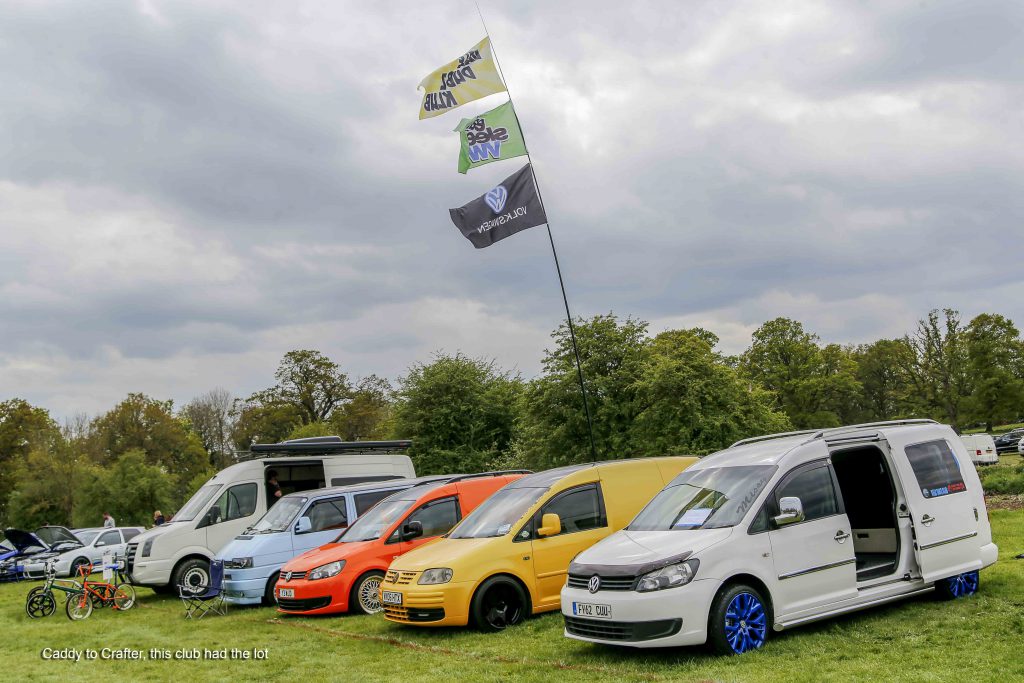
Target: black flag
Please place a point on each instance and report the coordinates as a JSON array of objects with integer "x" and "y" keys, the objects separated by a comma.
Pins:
[{"x": 505, "y": 210}]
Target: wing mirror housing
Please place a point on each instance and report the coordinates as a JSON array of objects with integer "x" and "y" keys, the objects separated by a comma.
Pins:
[
  {"x": 412, "y": 530},
  {"x": 791, "y": 511},
  {"x": 550, "y": 525},
  {"x": 303, "y": 525}
]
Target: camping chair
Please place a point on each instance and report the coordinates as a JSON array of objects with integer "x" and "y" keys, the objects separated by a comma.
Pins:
[{"x": 201, "y": 599}]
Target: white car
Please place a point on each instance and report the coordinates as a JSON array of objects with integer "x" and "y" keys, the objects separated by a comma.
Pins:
[
  {"x": 783, "y": 530},
  {"x": 94, "y": 544},
  {"x": 981, "y": 447}
]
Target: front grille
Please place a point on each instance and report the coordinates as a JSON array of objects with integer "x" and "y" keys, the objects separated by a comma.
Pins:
[
  {"x": 302, "y": 605},
  {"x": 608, "y": 583},
  {"x": 414, "y": 614},
  {"x": 627, "y": 631},
  {"x": 292, "y": 576},
  {"x": 400, "y": 578}
]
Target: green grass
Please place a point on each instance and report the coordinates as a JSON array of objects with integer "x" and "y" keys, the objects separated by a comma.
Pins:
[
  {"x": 977, "y": 639},
  {"x": 996, "y": 430}
]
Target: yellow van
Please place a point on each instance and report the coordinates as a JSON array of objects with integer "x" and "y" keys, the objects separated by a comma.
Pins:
[{"x": 509, "y": 557}]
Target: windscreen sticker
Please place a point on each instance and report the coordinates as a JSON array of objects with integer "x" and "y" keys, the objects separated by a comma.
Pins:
[
  {"x": 694, "y": 517},
  {"x": 503, "y": 529}
]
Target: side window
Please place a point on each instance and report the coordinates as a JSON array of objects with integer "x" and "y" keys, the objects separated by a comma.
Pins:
[
  {"x": 108, "y": 538},
  {"x": 579, "y": 509},
  {"x": 815, "y": 490},
  {"x": 327, "y": 514},
  {"x": 936, "y": 468},
  {"x": 437, "y": 518},
  {"x": 365, "y": 501},
  {"x": 236, "y": 502},
  {"x": 129, "y": 534}
]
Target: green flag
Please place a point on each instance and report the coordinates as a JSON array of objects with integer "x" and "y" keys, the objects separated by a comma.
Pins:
[{"x": 492, "y": 136}]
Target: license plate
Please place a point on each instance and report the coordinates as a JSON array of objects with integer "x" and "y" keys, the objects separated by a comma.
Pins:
[
  {"x": 286, "y": 592},
  {"x": 591, "y": 611},
  {"x": 391, "y": 597}
]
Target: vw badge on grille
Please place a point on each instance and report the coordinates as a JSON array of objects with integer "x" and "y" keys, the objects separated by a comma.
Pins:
[
  {"x": 287, "y": 576},
  {"x": 594, "y": 584}
]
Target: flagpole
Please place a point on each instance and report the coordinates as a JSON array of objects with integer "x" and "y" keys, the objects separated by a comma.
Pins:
[{"x": 551, "y": 239}]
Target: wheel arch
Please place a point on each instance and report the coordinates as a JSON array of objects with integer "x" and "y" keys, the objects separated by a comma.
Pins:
[
  {"x": 755, "y": 582},
  {"x": 506, "y": 575},
  {"x": 185, "y": 558}
]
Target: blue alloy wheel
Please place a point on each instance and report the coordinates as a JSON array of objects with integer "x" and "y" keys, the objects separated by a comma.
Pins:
[
  {"x": 962, "y": 584},
  {"x": 746, "y": 623}
]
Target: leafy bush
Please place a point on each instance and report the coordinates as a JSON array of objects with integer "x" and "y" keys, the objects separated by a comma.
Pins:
[{"x": 1002, "y": 479}]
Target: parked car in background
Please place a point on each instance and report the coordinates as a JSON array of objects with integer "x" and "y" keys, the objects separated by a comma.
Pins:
[
  {"x": 783, "y": 530},
  {"x": 1008, "y": 442},
  {"x": 981, "y": 447},
  {"x": 345, "y": 575},
  {"x": 297, "y": 523},
  {"x": 1020, "y": 447},
  {"x": 43, "y": 544},
  {"x": 508, "y": 558},
  {"x": 179, "y": 551},
  {"x": 93, "y": 545}
]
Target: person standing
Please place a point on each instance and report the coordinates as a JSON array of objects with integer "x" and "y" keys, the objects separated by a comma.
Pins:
[{"x": 108, "y": 521}]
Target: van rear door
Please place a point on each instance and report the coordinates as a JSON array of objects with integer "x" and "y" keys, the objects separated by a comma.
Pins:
[{"x": 943, "y": 513}]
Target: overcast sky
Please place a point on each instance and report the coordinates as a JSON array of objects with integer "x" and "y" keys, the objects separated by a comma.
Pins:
[{"x": 189, "y": 190}]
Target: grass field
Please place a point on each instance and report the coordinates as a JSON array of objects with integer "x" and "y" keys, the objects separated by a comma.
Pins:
[{"x": 977, "y": 639}]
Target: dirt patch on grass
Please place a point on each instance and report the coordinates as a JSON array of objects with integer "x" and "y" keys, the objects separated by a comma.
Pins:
[{"x": 1005, "y": 502}]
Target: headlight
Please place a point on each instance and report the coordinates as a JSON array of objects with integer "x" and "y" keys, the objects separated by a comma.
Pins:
[
  {"x": 147, "y": 547},
  {"x": 326, "y": 571},
  {"x": 439, "y": 575},
  {"x": 668, "y": 577},
  {"x": 239, "y": 563}
]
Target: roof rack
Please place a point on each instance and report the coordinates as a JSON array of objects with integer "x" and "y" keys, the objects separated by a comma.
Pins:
[
  {"x": 330, "y": 444},
  {"x": 819, "y": 433}
]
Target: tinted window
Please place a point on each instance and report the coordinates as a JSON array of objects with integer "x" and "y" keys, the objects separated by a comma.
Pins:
[
  {"x": 437, "y": 518},
  {"x": 936, "y": 469},
  {"x": 327, "y": 514},
  {"x": 236, "y": 502},
  {"x": 579, "y": 510},
  {"x": 815, "y": 490},
  {"x": 109, "y": 538},
  {"x": 365, "y": 501},
  {"x": 129, "y": 534}
]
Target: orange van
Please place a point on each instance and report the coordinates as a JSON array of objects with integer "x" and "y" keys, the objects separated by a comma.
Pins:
[{"x": 346, "y": 574}]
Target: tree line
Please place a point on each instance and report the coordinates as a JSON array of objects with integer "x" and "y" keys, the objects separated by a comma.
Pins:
[{"x": 649, "y": 394}]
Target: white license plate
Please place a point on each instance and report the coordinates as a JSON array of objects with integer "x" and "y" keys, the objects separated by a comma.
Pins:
[
  {"x": 591, "y": 611},
  {"x": 391, "y": 598},
  {"x": 286, "y": 592}
]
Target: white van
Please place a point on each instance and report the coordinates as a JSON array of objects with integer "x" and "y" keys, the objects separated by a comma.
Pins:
[
  {"x": 981, "y": 447},
  {"x": 179, "y": 551},
  {"x": 782, "y": 530}
]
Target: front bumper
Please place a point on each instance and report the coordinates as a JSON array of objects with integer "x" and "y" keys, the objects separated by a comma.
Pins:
[
  {"x": 323, "y": 596},
  {"x": 149, "y": 572},
  {"x": 665, "y": 618},
  {"x": 246, "y": 586},
  {"x": 445, "y": 604}
]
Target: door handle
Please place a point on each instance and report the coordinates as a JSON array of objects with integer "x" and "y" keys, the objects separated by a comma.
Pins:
[
  {"x": 841, "y": 536},
  {"x": 927, "y": 520}
]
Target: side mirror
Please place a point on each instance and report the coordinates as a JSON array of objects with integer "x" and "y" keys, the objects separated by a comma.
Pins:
[
  {"x": 791, "y": 511},
  {"x": 99, "y": 544},
  {"x": 550, "y": 525},
  {"x": 412, "y": 530},
  {"x": 303, "y": 525}
]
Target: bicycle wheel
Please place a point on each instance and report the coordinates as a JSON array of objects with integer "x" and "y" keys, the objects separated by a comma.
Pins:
[
  {"x": 124, "y": 596},
  {"x": 39, "y": 603},
  {"x": 79, "y": 606}
]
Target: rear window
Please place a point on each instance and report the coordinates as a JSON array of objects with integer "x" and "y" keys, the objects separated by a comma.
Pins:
[
  {"x": 936, "y": 469},
  {"x": 365, "y": 501}
]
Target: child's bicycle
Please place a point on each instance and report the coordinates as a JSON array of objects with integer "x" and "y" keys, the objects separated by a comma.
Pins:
[
  {"x": 119, "y": 595},
  {"x": 40, "y": 601}
]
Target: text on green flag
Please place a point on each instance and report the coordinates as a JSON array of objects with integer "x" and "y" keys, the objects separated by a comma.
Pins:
[{"x": 491, "y": 136}]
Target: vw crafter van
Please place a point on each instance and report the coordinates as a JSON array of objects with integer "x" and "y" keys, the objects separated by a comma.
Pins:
[
  {"x": 783, "y": 530},
  {"x": 179, "y": 551},
  {"x": 345, "y": 575},
  {"x": 509, "y": 557}
]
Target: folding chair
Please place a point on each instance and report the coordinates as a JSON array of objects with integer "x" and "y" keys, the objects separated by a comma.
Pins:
[{"x": 201, "y": 599}]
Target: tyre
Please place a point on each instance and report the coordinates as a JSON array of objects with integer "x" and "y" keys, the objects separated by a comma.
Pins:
[
  {"x": 498, "y": 603},
  {"x": 78, "y": 607},
  {"x": 124, "y": 596},
  {"x": 193, "y": 574},
  {"x": 958, "y": 586},
  {"x": 39, "y": 604},
  {"x": 269, "y": 597},
  {"x": 365, "y": 595},
  {"x": 79, "y": 562},
  {"x": 738, "y": 621}
]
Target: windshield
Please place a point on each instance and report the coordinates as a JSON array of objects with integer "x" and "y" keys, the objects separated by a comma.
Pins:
[
  {"x": 197, "y": 503},
  {"x": 280, "y": 516},
  {"x": 497, "y": 514},
  {"x": 86, "y": 536},
  {"x": 704, "y": 499},
  {"x": 375, "y": 521}
]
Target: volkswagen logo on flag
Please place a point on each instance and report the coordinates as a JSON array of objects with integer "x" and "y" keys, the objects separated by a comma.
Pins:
[
  {"x": 496, "y": 198},
  {"x": 594, "y": 584}
]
